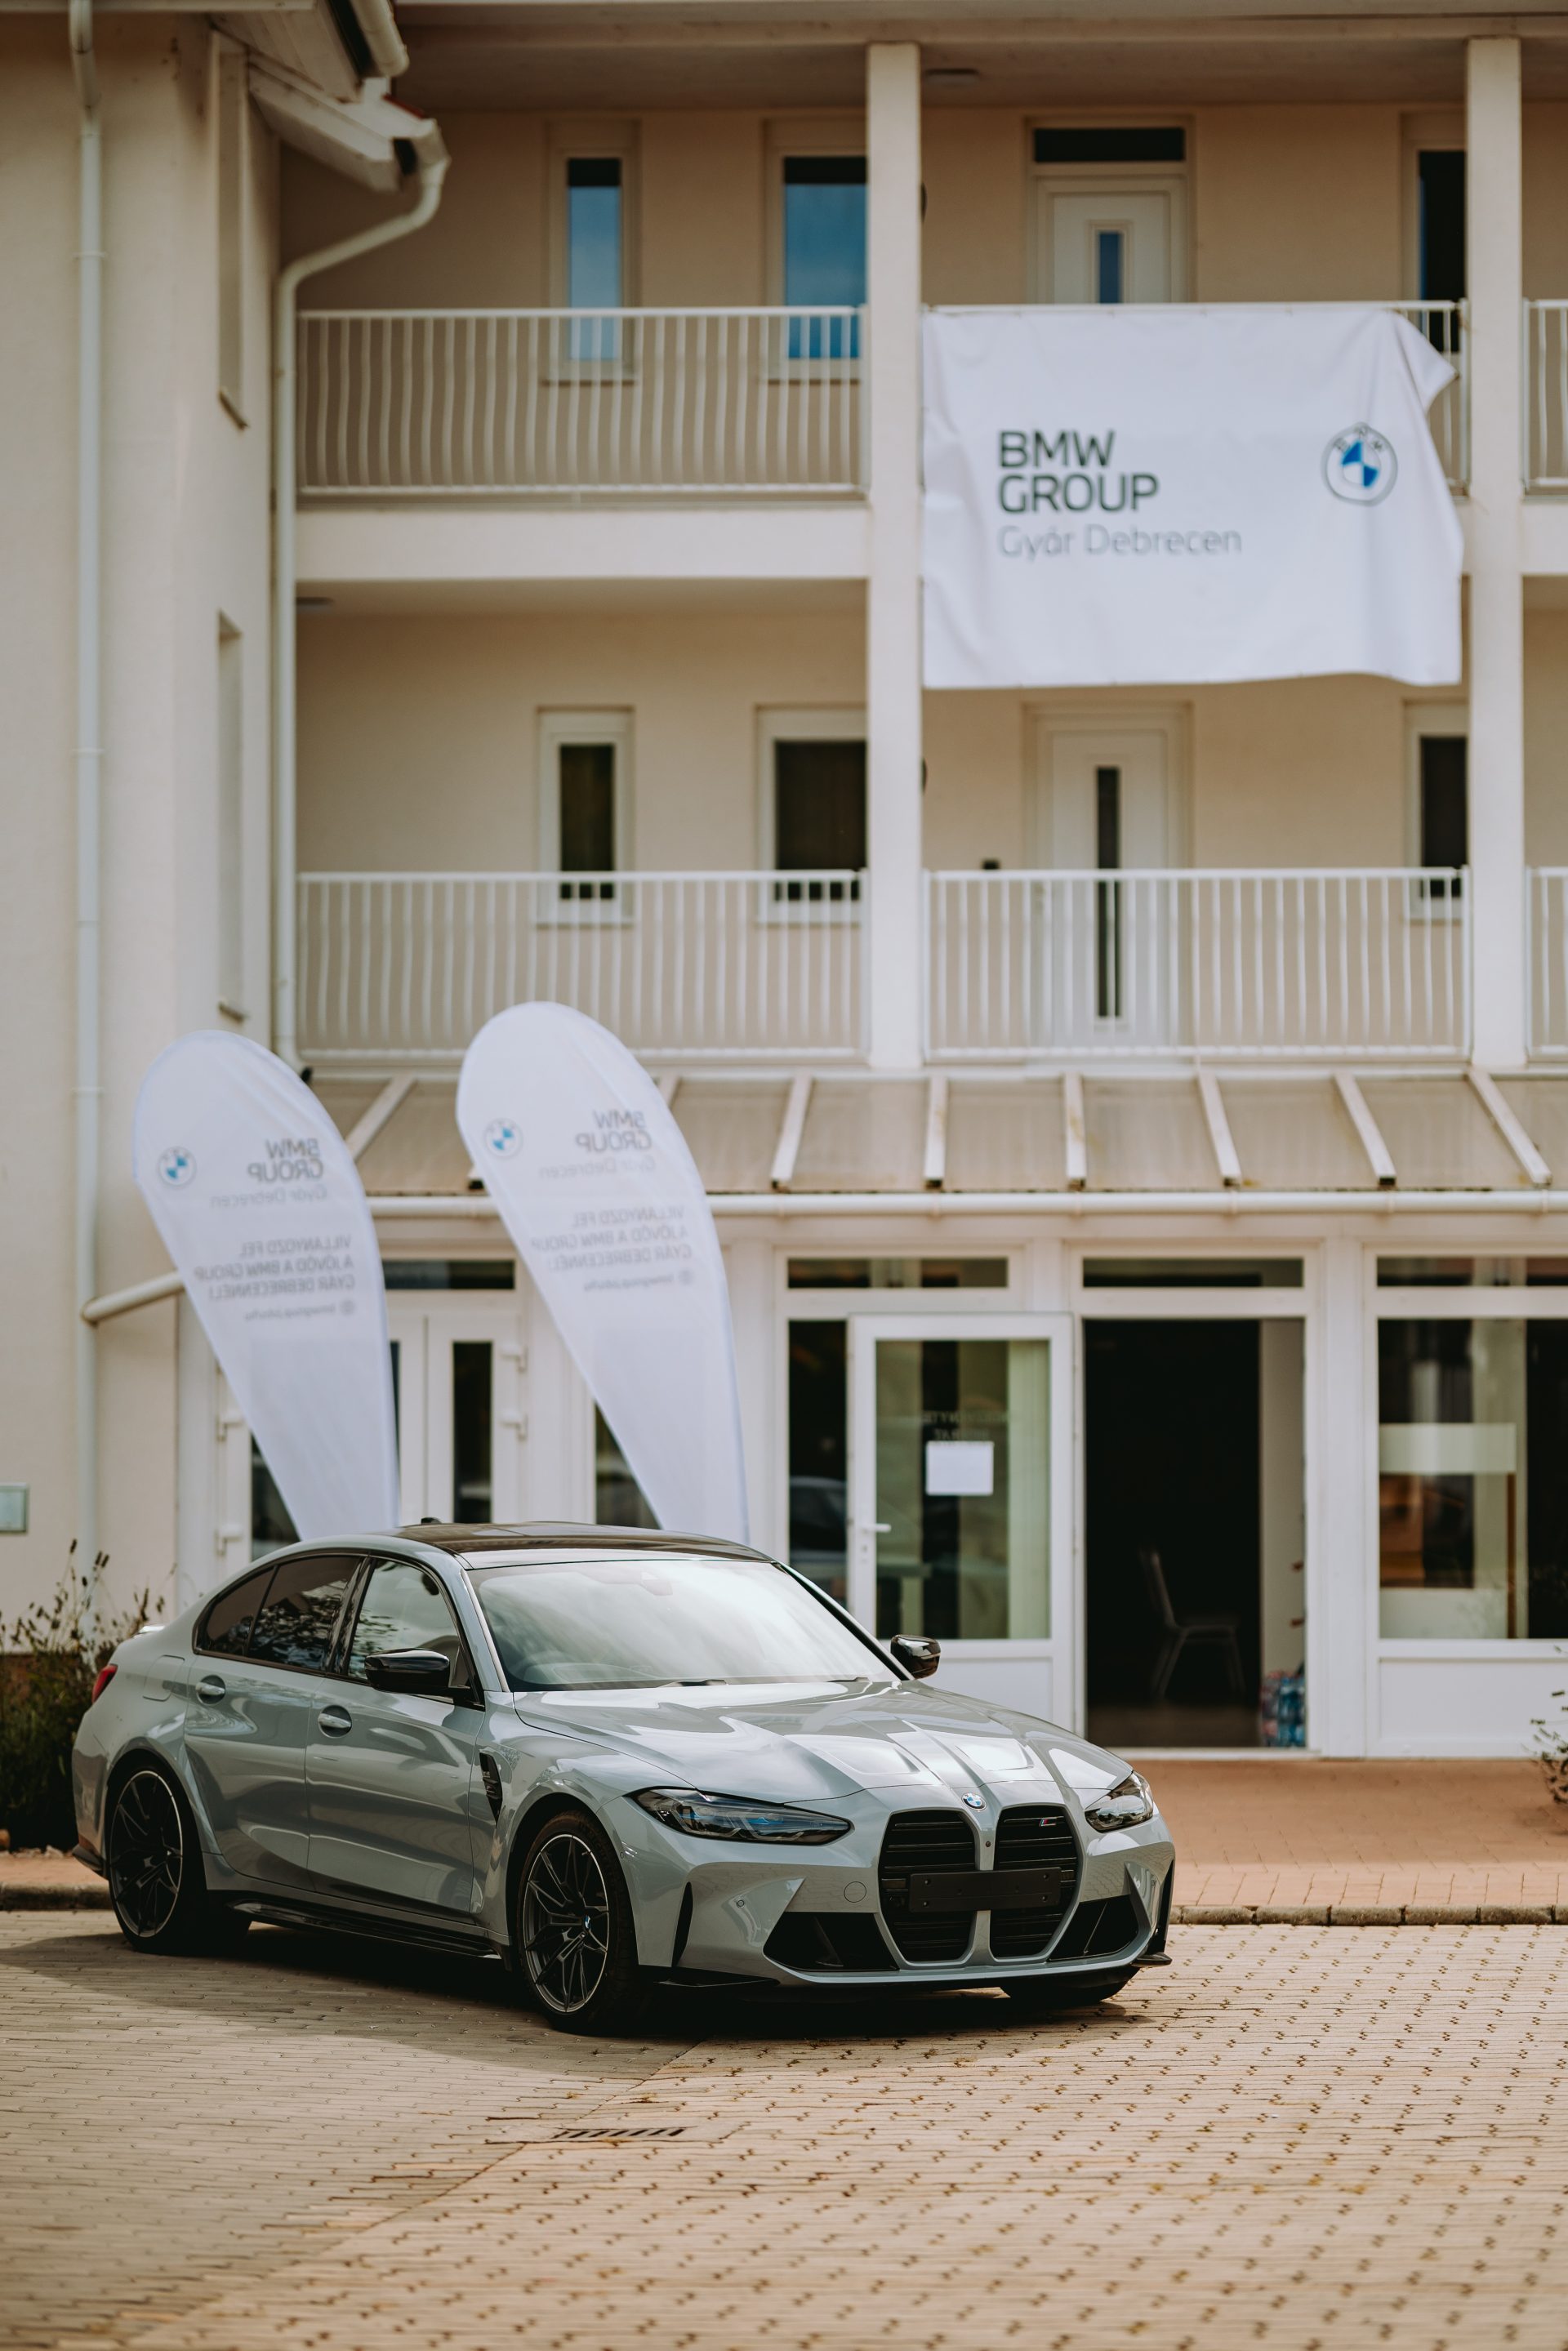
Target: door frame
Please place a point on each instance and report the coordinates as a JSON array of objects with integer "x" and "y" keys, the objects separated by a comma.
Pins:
[
  {"x": 1173, "y": 180},
  {"x": 417, "y": 1318},
  {"x": 1059, "y": 1648}
]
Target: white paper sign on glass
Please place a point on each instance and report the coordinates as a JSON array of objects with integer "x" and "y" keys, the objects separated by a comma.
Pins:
[
  {"x": 262, "y": 1211},
  {"x": 960, "y": 1467},
  {"x": 599, "y": 1191},
  {"x": 1129, "y": 496}
]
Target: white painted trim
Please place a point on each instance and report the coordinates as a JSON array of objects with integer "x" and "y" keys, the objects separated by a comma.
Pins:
[
  {"x": 935, "y": 1155},
  {"x": 1377, "y": 1152},
  {"x": 557, "y": 729},
  {"x": 791, "y": 1126},
  {"x": 1075, "y": 1132},
  {"x": 1226, "y": 1156},
  {"x": 1510, "y": 1126},
  {"x": 366, "y": 1128}
]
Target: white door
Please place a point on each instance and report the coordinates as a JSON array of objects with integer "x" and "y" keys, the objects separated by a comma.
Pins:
[
  {"x": 961, "y": 1498},
  {"x": 1105, "y": 804},
  {"x": 458, "y": 1375},
  {"x": 1110, "y": 244}
]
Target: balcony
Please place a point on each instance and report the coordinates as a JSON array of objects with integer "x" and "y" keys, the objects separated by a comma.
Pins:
[
  {"x": 1546, "y": 931},
  {"x": 581, "y": 404},
  {"x": 406, "y": 968},
  {"x": 1546, "y": 395},
  {"x": 1266, "y": 966}
]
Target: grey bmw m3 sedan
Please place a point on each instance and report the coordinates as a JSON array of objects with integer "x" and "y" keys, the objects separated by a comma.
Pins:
[{"x": 612, "y": 1759}]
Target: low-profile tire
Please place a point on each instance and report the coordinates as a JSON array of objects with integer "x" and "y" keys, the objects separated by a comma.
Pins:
[
  {"x": 156, "y": 1881},
  {"x": 574, "y": 1938},
  {"x": 1042, "y": 1996}
]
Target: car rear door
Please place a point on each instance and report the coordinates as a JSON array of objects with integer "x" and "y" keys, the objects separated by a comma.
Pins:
[
  {"x": 256, "y": 1680},
  {"x": 392, "y": 1777}
]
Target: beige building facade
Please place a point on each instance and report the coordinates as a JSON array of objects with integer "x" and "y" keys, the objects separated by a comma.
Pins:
[{"x": 1148, "y": 1110}]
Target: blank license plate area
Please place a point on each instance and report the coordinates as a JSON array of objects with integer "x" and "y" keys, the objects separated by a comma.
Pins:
[{"x": 986, "y": 1889}]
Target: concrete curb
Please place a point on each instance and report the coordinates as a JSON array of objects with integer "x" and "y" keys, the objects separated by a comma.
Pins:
[
  {"x": 54, "y": 1898},
  {"x": 1364, "y": 1914}
]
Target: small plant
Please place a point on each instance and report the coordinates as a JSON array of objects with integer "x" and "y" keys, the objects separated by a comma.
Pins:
[
  {"x": 1552, "y": 1748},
  {"x": 46, "y": 1683}
]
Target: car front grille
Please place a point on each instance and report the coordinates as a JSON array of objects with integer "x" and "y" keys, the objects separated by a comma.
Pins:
[
  {"x": 1034, "y": 1837},
  {"x": 926, "y": 1842}
]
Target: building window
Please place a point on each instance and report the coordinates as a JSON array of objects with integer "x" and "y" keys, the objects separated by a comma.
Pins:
[
  {"x": 824, "y": 251},
  {"x": 584, "y": 780},
  {"x": 594, "y": 237},
  {"x": 1443, "y": 784},
  {"x": 819, "y": 819},
  {"x": 1440, "y": 222},
  {"x": 1473, "y": 1479},
  {"x": 231, "y": 822},
  {"x": 233, "y": 165}
]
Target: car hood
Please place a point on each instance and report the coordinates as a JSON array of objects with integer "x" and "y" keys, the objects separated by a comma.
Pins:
[{"x": 806, "y": 1743}]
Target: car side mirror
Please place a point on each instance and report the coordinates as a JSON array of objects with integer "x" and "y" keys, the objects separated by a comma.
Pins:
[
  {"x": 917, "y": 1655},
  {"x": 417, "y": 1673}
]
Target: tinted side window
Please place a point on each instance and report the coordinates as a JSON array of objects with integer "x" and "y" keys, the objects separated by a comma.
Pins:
[
  {"x": 404, "y": 1607},
  {"x": 226, "y": 1625},
  {"x": 301, "y": 1614}
]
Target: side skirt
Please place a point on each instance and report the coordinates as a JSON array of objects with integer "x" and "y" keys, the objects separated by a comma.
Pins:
[{"x": 327, "y": 1917}]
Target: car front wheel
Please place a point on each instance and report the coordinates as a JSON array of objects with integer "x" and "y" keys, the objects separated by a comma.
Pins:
[
  {"x": 575, "y": 1943},
  {"x": 156, "y": 1881}
]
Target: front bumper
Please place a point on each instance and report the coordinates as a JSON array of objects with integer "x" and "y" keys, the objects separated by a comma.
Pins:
[{"x": 822, "y": 1917}]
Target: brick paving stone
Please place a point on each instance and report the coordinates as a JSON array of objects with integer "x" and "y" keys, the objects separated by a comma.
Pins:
[{"x": 1295, "y": 2137}]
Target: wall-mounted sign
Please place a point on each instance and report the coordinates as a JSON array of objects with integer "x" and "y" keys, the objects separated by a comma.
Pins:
[
  {"x": 960, "y": 1465},
  {"x": 1131, "y": 496}
]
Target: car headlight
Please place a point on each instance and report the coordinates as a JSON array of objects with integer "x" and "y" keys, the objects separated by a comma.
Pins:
[
  {"x": 1126, "y": 1806},
  {"x": 742, "y": 1820}
]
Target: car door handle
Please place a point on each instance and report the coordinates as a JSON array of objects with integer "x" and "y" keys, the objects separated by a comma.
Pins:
[
  {"x": 335, "y": 1721},
  {"x": 211, "y": 1688}
]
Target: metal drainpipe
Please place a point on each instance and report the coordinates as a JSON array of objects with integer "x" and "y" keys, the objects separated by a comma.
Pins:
[
  {"x": 285, "y": 1012},
  {"x": 88, "y": 784}
]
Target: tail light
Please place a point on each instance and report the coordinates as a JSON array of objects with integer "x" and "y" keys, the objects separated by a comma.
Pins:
[{"x": 106, "y": 1674}]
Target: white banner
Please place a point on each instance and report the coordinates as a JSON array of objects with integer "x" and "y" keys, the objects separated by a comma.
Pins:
[
  {"x": 1162, "y": 497},
  {"x": 262, "y": 1211},
  {"x": 600, "y": 1196}
]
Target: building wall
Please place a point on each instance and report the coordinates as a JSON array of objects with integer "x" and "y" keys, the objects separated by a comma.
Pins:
[{"x": 186, "y": 537}]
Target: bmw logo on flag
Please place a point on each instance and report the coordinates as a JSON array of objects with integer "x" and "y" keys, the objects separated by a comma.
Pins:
[
  {"x": 504, "y": 1138},
  {"x": 1360, "y": 465},
  {"x": 177, "y": 1165}
]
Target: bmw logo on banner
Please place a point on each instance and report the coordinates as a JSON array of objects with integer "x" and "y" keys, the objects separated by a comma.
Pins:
[{"x": 1360, "y": 466}]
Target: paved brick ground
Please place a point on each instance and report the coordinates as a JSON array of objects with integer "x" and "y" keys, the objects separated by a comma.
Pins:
[{"x": 1303, "y": 2140}]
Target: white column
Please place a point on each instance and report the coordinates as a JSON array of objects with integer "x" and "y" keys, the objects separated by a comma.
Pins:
[
  {"x": 1494, "y": 275},
  {"x": 1342, "y": 1547},
  {"x": 893, "y": 591}
]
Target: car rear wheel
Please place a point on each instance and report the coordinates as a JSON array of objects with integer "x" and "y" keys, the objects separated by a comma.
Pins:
[
  {"x": 1041, "y": 1996},
  {"x": 155, "y": 1877},
  {"x": 576, "y": 1942}
]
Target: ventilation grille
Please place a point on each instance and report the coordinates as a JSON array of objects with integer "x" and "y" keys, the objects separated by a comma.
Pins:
[
  {"x": 829, "y": 1942},
  {"x": 1099, "y": 1928},
  {"x": 1034, "y": 1837},
  {"x": 925, "y": 1842}
]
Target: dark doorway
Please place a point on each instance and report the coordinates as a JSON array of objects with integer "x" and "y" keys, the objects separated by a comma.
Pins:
[{"x": 1192, "y": 1529}]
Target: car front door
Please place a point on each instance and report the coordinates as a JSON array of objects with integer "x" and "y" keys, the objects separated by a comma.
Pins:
[
  {"x": 256, "y": 1680},
  {"x": 391, "y": 1775}
]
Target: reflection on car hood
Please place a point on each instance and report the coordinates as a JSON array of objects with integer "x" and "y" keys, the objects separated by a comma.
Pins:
[{"x": 808, "y": 1742}]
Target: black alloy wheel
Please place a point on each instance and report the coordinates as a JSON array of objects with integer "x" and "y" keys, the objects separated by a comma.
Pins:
[
  {"x": 155, "y": 1877},
  {"x": 575, "y": 1939}
]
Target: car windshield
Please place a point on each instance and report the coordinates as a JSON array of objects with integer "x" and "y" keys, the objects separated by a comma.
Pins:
[{"x": 642, "y": 1621}]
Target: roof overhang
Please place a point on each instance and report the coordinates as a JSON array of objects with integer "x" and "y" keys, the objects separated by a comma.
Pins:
[{"x": 370, "y": 138}]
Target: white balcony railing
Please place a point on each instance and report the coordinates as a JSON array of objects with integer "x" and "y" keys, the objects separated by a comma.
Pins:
[
  {"x": 1546, "y": 950},
  {"x": 1445, "y": 325},
  {"x": 522, "y": 404},
  {"x": 1546, "y": 395},
  {"x": 407, "y": 966},
  {"x": 1272, "y": 966}
]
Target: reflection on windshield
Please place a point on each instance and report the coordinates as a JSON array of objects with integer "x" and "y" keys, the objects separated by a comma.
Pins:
[{"x": 647, "y": 1621}]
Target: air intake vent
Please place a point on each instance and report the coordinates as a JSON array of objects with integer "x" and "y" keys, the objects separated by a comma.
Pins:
[
  {"x": 829, "y": 1943},
  {"x": 1099, "y": 1928},
  {"x": 1034, "y": 1837},
  {"x": 925, "y": 1845}
]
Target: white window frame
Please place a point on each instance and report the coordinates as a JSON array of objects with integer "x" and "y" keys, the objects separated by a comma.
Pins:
[
  {"x": 835, "y": 724},
  {"x": 558, "y": 728},
  {"x": 1429, "y": 718},
  {"x": 1171, "y": 180},
  {"x": 579, "y": 137},
  {"x": 843, "y": 134},
  {"x": 1437, "y": 129}
]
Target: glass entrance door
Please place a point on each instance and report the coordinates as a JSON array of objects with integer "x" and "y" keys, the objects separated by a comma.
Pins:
[
  {"x": 960, "y": 1497},
  {"x": 456, "y": 1373}
]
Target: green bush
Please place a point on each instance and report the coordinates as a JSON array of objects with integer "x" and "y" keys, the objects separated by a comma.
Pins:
[
  {"x": 1552, "y": 1748},
  {"x": 46, "y": 1683}
]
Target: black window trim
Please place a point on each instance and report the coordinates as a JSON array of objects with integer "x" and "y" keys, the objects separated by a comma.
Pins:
[
  {"x": 356, "y": 1559},
  {"x": 347, "y": 1624}
]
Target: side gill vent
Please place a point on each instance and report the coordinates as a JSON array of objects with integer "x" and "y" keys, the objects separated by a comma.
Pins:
[{"x": 923, "y": 1844}]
